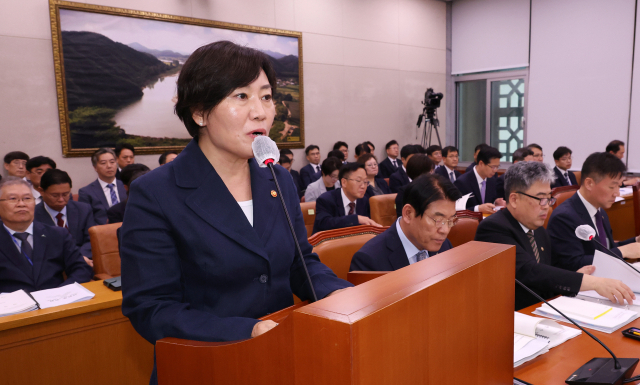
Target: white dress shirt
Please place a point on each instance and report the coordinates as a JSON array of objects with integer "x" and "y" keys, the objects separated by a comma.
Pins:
[
  {"x": 592, "y": 210},
  {"x": 107, "y": 190},
  {"x": 405, "y": 171},
  {"x": 479, "y": 179},
  {"x": 345, "y": 203},
  {"x": 394, "y": 161},
  {"x": 449, "y": 171},
  {"x": 565, "y": 174},
  {"x": 17, "y": 241},
  {"x": 316, "y": 167},
  {"x": 247, "y": 208},
  {"x": 53, "y": 213},
  {"x": 409, "y": 248}
]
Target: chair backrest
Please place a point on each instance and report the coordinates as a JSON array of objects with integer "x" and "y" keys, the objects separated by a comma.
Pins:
[
  {"x": 302, "y": 200},
  {"x": 501, "y": 171},
  {"x": 386, "y": 180},
  {"x": 465, "y": 230},
  {"x": 309, "y": 215},
  {"x": 337, "y": 247},
  {"x": 461, "y": 169},
  {"x": 383, "y": 209},
  {"x": 104, "y": 247},
  {"x": 636, "y": 207},
  {"x": 563, "y": 193},
  {"x": 578, "y": 175},
  {"x": 546, "y": 221},
  {"x": 75, "y": 197}
]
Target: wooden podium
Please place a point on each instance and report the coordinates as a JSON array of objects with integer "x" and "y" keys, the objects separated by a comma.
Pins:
[{"x": 445, "y": 320}]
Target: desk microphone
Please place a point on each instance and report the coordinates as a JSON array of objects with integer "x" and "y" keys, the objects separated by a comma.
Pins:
[
  {"x": 266, "y": 152},
  {"x": 587, "y": 233},
  {"x": 598, "y": 371}
]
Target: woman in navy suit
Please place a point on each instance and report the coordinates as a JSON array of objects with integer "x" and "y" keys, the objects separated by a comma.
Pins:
[
  {"x": 377, "y": 185},
  {"x": 205, "y": 245}
]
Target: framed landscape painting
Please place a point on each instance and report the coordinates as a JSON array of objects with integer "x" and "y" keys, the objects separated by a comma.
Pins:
[{"x": 116, "y": 73}]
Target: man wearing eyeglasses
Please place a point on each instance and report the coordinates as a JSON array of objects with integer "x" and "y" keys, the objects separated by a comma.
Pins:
[
  {"x": 15, "y": 163},
  {"x": 34, "y": 256},
  {"x": 428, "y": 214},
  {"x": 345, "y": 206},
  {"x": 528, "y": 195}
]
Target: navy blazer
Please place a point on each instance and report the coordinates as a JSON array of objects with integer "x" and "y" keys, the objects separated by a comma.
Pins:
[
  {"x": 54, "y": 252},
  {"x": 386, "y": 168},
  {"x": 398, "y": 179},
  {"x": 79, "y": 219},
  {"x": 193, "y": 267},
  {"x": 115, "y": 214},
  {"x": 330, "y": 212},
  {"x": 500, "y": 187},
  {"x": 308, "y": 175},
  {"x": 442, "y": 170},
  {"x": 94, "y": 196},
  {"x": 297, "y": 182},
  {"x": 570, "y": 252},
  {"x": 543, "y": 278},
  {"x": 467, "y": 183},
  {"x": 385, "y": 252},
  {"x": 470, "y": 167},
  {"x": 561, "y": 181},
  {"x": 381, "y": 184}
]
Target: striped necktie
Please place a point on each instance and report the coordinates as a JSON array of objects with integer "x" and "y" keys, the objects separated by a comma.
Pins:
[{"x": 534, "y": 246}]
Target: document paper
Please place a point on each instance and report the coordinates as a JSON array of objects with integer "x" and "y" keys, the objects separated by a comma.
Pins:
[
  {"x": 610, "y": 267},
  {"x": 62, "y": 295}
]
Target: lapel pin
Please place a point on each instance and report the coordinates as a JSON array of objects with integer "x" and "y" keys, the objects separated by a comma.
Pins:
[
  {"x": 44, "y": 236},
  {"x": 274, "y": 193}
]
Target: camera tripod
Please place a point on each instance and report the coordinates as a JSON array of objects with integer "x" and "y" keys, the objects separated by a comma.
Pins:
[{"x": 431, "y": 124}]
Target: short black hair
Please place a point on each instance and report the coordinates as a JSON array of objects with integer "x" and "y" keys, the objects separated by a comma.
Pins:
[
  {"x": 410, "y": 149},
  {"x": 38, "y": 161},
  {"x": 286, "y": 151},
  {"x": 339, "y": 144},
  {"x": 390, "y": 143},
  {"x": 53, "y": 177},
  {"x": 284, "y": 159},
  {"x": 310, "y": 148},
  {"x": 613, "y": 146},
  {"x": 419, "y": 164},
  {"x": 521, "y": 153},
  {"x": 347, "y": 169},
  {"x": 211, "y": 73},
  {"x": 99, "y": 152},
  {"x": 433, "y": 148},
  {"x": 136, "y": 176},
  {"x": 163, "y": 157},
  {"x": 15, "y": 155},
  {"x": 448, "y": 149},
  {"x": 129, "y": 170},
  {"x": 534, "y": 145},
  {"x": 602, "y": 164},
  {"x": 487, "y": 153},
  {"x": 480, "y": 147},
  {"x": 330, "y": 165},
  {"x": 426, "y": 189},
  {"x": 336, "y": 154},
  {"x": 362, "y": 148},
  {"x": 368, "y": 143},
  {"x": 561, "y": 151},
  {"x": 122, "y": 146}
]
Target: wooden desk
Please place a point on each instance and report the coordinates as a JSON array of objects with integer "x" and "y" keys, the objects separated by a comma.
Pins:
[
  {"x": 555, "y": 366},
  {"x": 622, "y": 219},
  {"x": 88, "y": 342}
]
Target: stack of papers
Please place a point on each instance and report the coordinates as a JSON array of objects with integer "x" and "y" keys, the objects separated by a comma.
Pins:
[
  {"x": 62, "y": 295},
  {"x": 610, "y": 267},
  {"x": 534, "y": 336},
  {"x": 606, "y": 319},
  {"x": 16, "y": 303},
  {"x": 461, "y": 204},
  {"x": 593, "y": 296}
]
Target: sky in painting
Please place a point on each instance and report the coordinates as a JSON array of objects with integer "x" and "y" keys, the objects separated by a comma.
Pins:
[{"x": 162, "y": 35}]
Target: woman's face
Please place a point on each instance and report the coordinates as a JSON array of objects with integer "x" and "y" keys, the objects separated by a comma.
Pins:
[
  {"x": 245, "y": 114},
  {"x": 372, "y": 167}
]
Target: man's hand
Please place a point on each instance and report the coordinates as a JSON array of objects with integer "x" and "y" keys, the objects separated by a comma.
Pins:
[
  {"x": 367, "y": 221},
  {"x": 486, "y": 208},
  {"x": 589, "y": 269},
  {"x": 614, "y": 290},
  {"x": 88, "y": 261},
  {"x": 631, "y": 250},
  {"x": 262, "y": 327},
  {"x": 500, "y": 202},
  {"x": 338, "y": 291}
]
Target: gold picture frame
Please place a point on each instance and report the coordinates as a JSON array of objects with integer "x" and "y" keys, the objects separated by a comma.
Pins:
[{"x": 99, "y": 108}]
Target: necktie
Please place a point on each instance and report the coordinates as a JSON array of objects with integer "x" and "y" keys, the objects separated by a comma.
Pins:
[
  {"x": 453, "y": 178},
  {"x": 566, "y": 176},
  {"x": 352, "y": 208},
  {"x": 60, "y": 220},
  {"x": 534, "y": 246},
  {"x": 25, "y": 248},
  {"x": 395, "y": 165},
  {"x": 421, "y": 256},
  {"x": 483, "y": 189},
  {"x": 602, "y": 237},
  {"x": 114, "y": 197}
]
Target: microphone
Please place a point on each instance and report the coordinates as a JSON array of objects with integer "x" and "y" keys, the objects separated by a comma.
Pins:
[
  {"x": 587, "y": 233},
  {"x": 266, "y": 152},
  {"x": 605, "y": 371}
]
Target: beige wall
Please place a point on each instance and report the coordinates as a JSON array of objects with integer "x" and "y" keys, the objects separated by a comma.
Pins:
[{"x": 366, "y": 67}]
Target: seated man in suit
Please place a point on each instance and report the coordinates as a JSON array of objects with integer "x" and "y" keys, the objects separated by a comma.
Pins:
[
  {"x": 105, "y": 191},
  {"x": 37, "y": 166},
  {"x": 34, "y": 256},
  {"x": 15, "y": 163},
  {"x": 450, "y": 157},
  {"x": 400, "y": 178},
  {"x": 528, "y": 190},
  {"x": 167, "y": 157},
  {"x": 115, "y": 214},
  {"x": 294, "y": 174},
  {"x": 434, "y": 152},
  {"x": 475, "y": 156},
  {"x": 564, "y": 177},
  {"x": 361, "y": 149},
  {"x": 538, "y": 155},
  {"x": 601, "y": 174},
  {"x": 125, "y": 155},
  {"x": 328, "y": 182},
  {"x": 286, "y": 162},
  {"x": 418, "y": 165},
  {"x": 56, "y": 209},
  {"x": 344, "y": 148},
  {"x": 481, "y": 183},
  {"x": 346, "y": 206},
  {"x": 520, "y": 155},
  {"x": 428, "y": 214},
  {"x": 311, "y": 172},
  {"x": 391, "y": 163},
  {"x": 616, "y": 147}
]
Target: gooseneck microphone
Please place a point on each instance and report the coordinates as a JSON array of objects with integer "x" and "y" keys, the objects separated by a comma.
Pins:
[
  {"x": 266, "y": 152},
  {"x": 587, "y": 233}
]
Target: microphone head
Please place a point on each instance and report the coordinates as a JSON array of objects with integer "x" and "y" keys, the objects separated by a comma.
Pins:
[
  {"x": 265, "y": 149},
  {"x": 585, "y": 232}
]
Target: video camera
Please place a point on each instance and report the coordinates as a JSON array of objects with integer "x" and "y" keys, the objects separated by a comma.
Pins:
[{"x": 431, "y": 101}]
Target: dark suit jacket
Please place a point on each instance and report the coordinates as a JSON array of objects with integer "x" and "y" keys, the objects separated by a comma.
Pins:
[
  {"x": 470, "y": 167},
  {"x": 398, "y": 201},
  {"x": 297, "y": 181},
  {"x": 570, "y": 252},
  {"x": 467, "y": 183},
  {"x": 330, "y": 211},
  {"x": 308, "y": 175},
  {"x": 193, "y": 267},
  {"x": 442, "y": 170},
  {"x": 398, "y": 179},
  {"x": 500, "y": 187},
  {"x": 385, "y": 168},
  {"x": 94, "y": 196},
  {"x": 115, "y": 214},
  {"x": 79, "y": 219},
  {"x": 118, "y": 174},
  {"x": 381, "y": 184},
  {"x": 385, "y": 252},
  {"x": 561, "y": 181},
  {"x": 54, "y": 252},
  {"x": 546, "y": 280}
]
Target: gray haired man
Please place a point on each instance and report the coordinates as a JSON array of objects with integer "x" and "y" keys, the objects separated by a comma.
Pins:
[{"x": 528, "y": 196}]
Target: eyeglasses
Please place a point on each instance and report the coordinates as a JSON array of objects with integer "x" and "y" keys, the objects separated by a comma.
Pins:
[
  {"x": 543, "y": 201},
  {"x": 439, "y": 223},
  {"x": 15, "y": 200},
  {"x": 57, "y": 196},
  {"x": 494, "y": 168},
  {"x": 360, "y": 182},
  {"x": 20, "y": 163}
]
